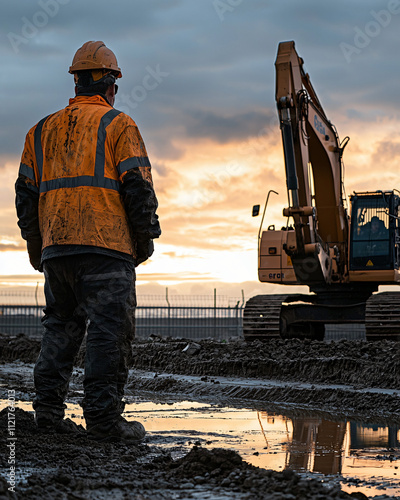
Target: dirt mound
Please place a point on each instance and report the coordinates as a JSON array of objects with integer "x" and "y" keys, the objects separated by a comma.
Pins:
[
  {"x": 18, "y": 347},
  {"x": 226, "y": 468},
  {"x": 200, "y": 461},
  {"x": 26, "y": 422}
]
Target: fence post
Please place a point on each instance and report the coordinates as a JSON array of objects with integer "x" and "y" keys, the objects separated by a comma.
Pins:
[
  {"x": 240, "y": 322},
  {"x": 37, "y": 314},
  {"x": 169, "y": 312},
  {"x": 215, "y": 313}
]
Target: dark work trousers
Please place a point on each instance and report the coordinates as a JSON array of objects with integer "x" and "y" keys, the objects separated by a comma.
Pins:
[{"x": 86, "y": 293}]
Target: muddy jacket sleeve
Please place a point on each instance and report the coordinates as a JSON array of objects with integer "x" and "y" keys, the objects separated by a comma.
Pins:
[
  {"x": 137, "y": 190},
  {"x": 27, "y": 202}
]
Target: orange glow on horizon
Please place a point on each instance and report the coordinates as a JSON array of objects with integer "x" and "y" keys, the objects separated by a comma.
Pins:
[{"x": 205, "y": 199}]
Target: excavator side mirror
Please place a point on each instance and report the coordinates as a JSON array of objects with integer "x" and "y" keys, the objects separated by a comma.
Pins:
[{"x": 256, "y": 210}]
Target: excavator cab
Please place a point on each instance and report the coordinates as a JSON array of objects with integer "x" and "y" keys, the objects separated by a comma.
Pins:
[{"x": 374, "y": 236}]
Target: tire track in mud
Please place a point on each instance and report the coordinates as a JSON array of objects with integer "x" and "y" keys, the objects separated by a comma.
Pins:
[
  {"x": 378, "y": 406},
  {"x": 341, "y": 375},
  {"x": 357, "y": 363}
]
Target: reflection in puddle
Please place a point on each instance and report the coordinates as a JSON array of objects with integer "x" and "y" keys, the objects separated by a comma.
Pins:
[
  {"x": 363, "y": 458},
  {"x": 316, "y": 445},
  {"x": 351, "y": 449}
]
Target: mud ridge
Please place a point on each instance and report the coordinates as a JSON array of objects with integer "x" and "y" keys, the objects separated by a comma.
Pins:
[
  {"x": 335, "y": 402},
  {"x": 357, "y": 363}
]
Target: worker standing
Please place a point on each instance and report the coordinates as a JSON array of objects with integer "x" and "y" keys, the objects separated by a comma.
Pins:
[{"x": 87, "y": 209}]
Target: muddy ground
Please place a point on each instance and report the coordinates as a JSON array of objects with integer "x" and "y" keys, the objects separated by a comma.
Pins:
[{"x": 352, "y": 378}]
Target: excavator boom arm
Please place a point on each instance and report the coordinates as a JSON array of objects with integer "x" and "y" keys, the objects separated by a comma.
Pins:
[{"x": 312, "y": 161}]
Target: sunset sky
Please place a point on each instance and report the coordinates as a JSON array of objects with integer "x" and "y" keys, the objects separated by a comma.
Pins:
[{"x": 198, "y": 79}]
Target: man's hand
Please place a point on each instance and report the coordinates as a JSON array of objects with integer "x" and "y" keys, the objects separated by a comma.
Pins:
[
  {"x": 144, "y": 250},
  {"x": 35, "y": 253}
]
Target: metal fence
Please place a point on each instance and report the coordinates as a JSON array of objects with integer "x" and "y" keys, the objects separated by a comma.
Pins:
[
  {"x": 165, "y": 321},
  {"x": 170, "y": 315},
  {"x": 189, "y": 322},
  {"x": 21, "y": 319}
]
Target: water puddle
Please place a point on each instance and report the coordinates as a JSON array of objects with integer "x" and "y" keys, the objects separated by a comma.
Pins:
[{"x": 362, "y": 457}]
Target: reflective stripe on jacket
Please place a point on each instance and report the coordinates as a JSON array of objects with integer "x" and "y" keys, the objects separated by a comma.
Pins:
[{"x": 77, "y": 159}]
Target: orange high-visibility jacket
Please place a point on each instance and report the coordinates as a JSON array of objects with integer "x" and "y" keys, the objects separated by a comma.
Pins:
[{"x": 77, "y": 158}]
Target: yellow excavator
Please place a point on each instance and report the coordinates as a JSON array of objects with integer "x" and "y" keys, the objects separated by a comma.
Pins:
[{"x": 342, "y": 255}]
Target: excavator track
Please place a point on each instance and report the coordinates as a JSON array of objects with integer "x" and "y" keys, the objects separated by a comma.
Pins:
[
  {"x": 261, "y": 317},
  {"x": 382, "y": 316}
]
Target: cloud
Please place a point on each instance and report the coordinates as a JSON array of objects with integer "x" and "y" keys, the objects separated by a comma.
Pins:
[
  {"x": 176, "y": 277},
  {"x": 5, "y": 247},
  {"x": 160, "y": 168},
  {"x": 223, "y": 220},
  {"x": 221, "y": 74},
  {"x": 386, "y": 152},
  {"x": 223, "y": 129},
  {"x": 174, "y": 255}
]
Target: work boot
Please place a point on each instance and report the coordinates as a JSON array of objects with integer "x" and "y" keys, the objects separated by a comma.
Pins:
[
  {"x": 117, "y": 431},
  {"x": 48, "y": 425}
]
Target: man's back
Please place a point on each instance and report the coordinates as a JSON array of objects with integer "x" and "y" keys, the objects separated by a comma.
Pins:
[
  {"x": 79, "y": 156},
  {"x": 70, "y": 138}
]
